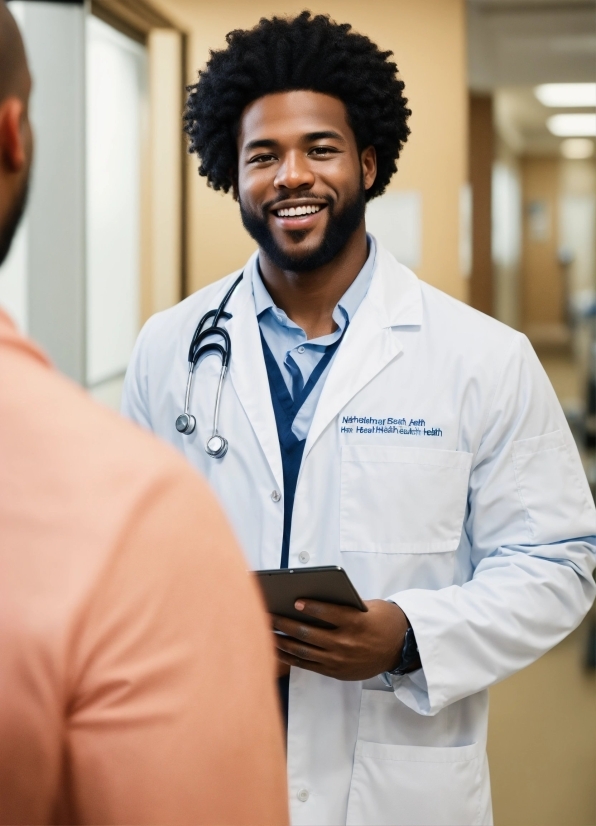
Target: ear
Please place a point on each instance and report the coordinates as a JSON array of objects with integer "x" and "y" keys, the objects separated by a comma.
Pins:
[
  {"x": 368, "y": 159},
  {"x": 13, "y": 155},
  {"x": 234, "y": 177}
]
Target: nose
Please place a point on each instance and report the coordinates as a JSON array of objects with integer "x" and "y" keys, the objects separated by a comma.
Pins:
[{"x": 294, "y": 173}]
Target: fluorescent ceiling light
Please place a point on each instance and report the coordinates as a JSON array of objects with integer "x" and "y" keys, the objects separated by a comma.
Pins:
[
  {"x": 566, "y": 94},
  {"x": 577, "y": 148},
  {"x": 573, "y": 126}
]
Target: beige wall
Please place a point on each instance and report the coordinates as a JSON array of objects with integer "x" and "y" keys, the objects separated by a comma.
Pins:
[
  {"x": 162, "y": 203},
  {"x": 543, "y": 297},
  {"x": 428, "y": 38}
]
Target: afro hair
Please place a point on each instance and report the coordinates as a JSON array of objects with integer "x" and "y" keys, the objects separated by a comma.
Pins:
[{"x": 300, "y": 53}]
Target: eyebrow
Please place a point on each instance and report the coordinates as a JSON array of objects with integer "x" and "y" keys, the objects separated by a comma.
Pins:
[{"x": 269, "y": 143}]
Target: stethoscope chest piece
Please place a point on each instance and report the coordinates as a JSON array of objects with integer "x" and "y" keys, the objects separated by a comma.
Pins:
[
  {"x": 185, "y": 424},
  {"x": 217, "y": 446}
]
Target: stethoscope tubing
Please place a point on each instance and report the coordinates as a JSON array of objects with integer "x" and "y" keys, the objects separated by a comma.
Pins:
[{"x": 217, "y": 445}]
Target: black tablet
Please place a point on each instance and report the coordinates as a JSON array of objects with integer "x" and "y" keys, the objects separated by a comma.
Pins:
[{"x": 328, "y": 583}]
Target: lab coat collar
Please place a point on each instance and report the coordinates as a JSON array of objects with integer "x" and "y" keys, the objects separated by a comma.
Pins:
[
  {"x": 371, "y": 342},
  {"x": 395, "y": 292},
  {"x": 249, "y": 374}
]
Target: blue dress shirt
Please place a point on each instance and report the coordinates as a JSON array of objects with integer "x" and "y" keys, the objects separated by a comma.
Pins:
[{"x": 295, "y": 355}]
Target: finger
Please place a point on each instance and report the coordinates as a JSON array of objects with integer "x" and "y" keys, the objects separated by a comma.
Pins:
[
  {"x": 302, "y": 631},
  {"x": 283, "y": 669},
  {"x": 307, "y": 665},
  {"x": 300, "y": 650},
  {"x": 337, "y": 615}
]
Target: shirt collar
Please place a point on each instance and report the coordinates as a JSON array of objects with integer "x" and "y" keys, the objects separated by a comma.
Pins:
[
  {"x": 263, "y": 300},
  {"x": 349, "y": 302},
  {"x": 354, "y": 295}
]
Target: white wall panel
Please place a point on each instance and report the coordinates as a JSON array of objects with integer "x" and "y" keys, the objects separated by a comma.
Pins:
[{"x": 116, "y": 89}]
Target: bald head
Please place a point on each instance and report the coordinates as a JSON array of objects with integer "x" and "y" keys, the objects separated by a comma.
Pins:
[
  {"x": 13, "y": 63},
  {"x": 16, "y": 139}
]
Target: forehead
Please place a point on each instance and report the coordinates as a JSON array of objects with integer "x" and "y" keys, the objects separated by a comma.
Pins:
[{"x": 289, "y": 116}]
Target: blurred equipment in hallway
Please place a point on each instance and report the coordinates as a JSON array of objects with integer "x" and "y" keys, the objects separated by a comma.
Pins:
[{"x": 532, "y": 166}]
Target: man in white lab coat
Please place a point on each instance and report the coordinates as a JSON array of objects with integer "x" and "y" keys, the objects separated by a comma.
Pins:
[{"x": 369, "y": 421}]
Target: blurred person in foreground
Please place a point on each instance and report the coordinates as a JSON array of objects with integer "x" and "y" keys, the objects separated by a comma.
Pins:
[{"x": 125, "y": 609}]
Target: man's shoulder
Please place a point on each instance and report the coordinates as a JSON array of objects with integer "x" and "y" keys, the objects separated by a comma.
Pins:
[
  {"x": 439, "y": 315},
  {"x": 463, "y": 319},
  {"x": 70, "y": 465}
]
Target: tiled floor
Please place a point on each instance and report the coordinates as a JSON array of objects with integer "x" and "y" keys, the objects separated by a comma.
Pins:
[{"x": 542, "y": 741}]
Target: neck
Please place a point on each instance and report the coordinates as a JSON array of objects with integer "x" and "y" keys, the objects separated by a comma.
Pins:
[{"x": 309, "y": 298}]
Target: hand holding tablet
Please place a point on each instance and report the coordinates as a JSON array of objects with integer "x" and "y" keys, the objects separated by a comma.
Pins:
[{"x": 282, "y": 587}]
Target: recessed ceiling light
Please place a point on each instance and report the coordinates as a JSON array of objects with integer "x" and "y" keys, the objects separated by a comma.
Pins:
[
  {"x": 577, "y": 148},
  {"x": 566, "y": 94},
  {"x": 573, "y": 125}
]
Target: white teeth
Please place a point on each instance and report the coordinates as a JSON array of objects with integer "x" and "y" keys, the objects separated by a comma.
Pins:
[{"x": 292, "y": 212}]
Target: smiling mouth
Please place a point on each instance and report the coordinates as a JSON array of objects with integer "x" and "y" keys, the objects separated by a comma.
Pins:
[{"x": 298, "y": 211}]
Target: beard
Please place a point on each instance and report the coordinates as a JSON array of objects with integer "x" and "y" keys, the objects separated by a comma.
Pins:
[
  {"x": 7, "y": 232},
  {"x": 340, "y": 228}
]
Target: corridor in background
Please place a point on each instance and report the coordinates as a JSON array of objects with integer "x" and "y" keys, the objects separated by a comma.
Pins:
[
  {"x": 533, "y": 176},
  {"x": 533, "y": 172}
]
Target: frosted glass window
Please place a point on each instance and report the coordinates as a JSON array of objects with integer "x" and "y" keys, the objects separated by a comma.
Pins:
[
  {"x": 577, "y": 216},
  {"x": 506, "y": 216},
  {"x": 116, "y": 93},
  {"x": 395, "y": 219}
]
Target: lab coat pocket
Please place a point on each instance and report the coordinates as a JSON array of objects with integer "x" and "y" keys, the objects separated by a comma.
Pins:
[
  {"x": 402, "y": 499},
  {"x": 553, "y": 488},
  {"x": 416, "y": 786}
]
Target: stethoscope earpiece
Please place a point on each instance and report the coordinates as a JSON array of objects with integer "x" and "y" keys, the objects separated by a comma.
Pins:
[
  {"x": 185, "y": 423},
  {"x": 217, "y": 446}
]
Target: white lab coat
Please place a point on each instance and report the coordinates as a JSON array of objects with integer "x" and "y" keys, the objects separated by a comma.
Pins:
[{"x": 439, "y": 471}]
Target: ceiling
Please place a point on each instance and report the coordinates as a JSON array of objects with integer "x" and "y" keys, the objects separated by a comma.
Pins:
[
  {"x": 513, "y": 45},
  {"x": 526, "y": 42}
]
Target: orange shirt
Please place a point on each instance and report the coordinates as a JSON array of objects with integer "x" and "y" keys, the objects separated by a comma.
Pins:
[{"x": 136, "y": 676}]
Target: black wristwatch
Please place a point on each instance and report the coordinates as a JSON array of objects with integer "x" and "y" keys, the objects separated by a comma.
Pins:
[{"x": 409, "y": 654}]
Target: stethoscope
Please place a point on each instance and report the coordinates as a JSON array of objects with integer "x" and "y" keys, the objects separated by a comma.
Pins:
[{"x": 216, "y": 446}]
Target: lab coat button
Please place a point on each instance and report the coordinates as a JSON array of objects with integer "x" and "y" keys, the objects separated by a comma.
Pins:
[
  {"x": 304, "y": 556},
  {"x": 303, "y": 795},
  {"x": 275, "y": 495}
]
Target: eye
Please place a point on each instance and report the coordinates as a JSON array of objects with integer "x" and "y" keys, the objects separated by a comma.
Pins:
[
  {"x": 266, "y": 158},
  {"x": 322, "y": 151}
]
